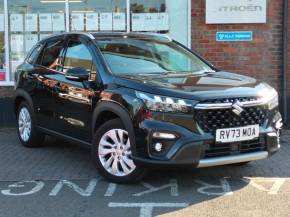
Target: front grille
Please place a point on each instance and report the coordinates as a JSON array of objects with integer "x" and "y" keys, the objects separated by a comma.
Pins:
[
  {"x": 226, "y": 149},
  {"x": 210, "y": 120}
]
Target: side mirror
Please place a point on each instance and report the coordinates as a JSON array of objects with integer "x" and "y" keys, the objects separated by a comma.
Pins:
[{"x": 77, "y": 74}]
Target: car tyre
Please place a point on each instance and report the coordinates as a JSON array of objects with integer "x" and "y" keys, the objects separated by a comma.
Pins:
[
  {"x": 28, "y": 135},
  {"x": 111, "y": 153}
]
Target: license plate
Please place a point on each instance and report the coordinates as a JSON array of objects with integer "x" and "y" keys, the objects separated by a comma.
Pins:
[{"x": 237, "y": 134}]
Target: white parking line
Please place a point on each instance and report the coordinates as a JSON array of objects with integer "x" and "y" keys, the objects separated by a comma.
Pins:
[
  {"x": 172, "y": 185},
  {"x": 277, "y": 184},
  {"x": 146, "y": 209},
  {"x": 111, "y": 190},
  {"x": 224, "y": 186}
]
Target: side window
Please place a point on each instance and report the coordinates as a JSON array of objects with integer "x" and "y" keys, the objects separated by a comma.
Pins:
[
  {"x": 51, "y": 54},
  {"x": 78, "y": 56},
  {"x": 33, "y": 54}
]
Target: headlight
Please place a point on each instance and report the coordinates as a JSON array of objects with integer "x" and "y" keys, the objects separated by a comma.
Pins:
[
  {"x": 271, "y": 99},
  {"x": 165, "y": 104}
]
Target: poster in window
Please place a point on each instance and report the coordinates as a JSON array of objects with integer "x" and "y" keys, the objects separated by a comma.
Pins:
[
  {"x": 143, "y": 22},
  {"x": 137, "y": 22},
  {"x": 92, "y": 21},
  {"x": 119, "y": 21},
  {"x": 45, "y": 22},
  {"x": 17, "y": 43},
  {"x": 106, "y": 21},
  {"x": 16, "y": 23},
  {"x": 58, "y": 24},
  {"x": 2, "y": 75},
  {"x": 30, "y": 41},
  {"x": 77, "y": 22},
  {"x": 162, "y": 22},
  {"x": 1, "y": 22},
  {"x": 150, "y": 22},
  {"x": 31, "y": 22}
]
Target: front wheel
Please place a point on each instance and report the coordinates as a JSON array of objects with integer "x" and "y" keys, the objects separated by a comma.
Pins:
[{"x": 111, "y": 152}]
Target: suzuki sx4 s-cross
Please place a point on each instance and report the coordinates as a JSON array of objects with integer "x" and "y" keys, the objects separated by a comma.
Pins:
[{"x": 142, "y": 101}]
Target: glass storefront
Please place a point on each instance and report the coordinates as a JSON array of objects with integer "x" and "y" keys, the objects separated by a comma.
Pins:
[
  {"x": 28, "y": 21},
  {"x": 98, "y": 15},
  {"x": 2, "y": 44}
]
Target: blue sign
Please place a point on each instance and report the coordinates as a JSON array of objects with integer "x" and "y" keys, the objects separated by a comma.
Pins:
[{"x": 234, "y": 36}]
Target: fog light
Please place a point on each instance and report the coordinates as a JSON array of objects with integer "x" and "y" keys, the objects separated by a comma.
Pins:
[
  {"x": 160, "y": 135},
  {"x": 158, "y": 147}
]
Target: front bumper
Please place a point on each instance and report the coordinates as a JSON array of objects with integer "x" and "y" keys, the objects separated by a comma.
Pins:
[
  {"x": 218, "y": 161},
  {"x": 189, "y": 148}
]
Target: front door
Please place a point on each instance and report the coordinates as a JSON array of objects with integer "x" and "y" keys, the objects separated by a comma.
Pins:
[{"x": 74, "y": 99}]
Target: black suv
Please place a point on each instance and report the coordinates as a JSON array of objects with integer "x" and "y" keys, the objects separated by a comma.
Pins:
[{"x": 142, "y": 100}]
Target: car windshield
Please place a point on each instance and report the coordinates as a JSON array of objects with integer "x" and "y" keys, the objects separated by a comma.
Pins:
[{"x": 130, "y": 56}]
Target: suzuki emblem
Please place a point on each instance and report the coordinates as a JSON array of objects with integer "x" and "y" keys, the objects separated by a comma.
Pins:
[{"x": 237, "y": 108}]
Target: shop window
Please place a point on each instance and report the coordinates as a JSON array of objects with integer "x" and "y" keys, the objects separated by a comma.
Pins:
[
  {"x": 98, "y": 15},
  {"x": 161, "y": 16},
  {"x": 29, "y": 22},
  {"x": 2, "y": 45}
]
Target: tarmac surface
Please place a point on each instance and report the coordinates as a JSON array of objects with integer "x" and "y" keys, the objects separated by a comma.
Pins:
[{"x": 59, "y": 180}]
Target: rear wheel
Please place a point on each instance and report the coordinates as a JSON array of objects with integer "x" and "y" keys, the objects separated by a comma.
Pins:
[
  {"x": 112, "y": 153},
  {"x": 27, "y": 132}
]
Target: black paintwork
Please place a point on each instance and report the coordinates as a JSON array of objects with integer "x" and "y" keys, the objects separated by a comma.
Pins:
[{"x": 74, "y": 109}]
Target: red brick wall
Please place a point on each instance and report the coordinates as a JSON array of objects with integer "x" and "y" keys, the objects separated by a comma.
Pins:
[{"x": 261, "y": 58}]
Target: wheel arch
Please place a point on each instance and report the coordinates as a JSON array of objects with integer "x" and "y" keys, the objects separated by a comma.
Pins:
[
  {"x": 117, "y": 111},
  {"x": 20, "y": 96}
]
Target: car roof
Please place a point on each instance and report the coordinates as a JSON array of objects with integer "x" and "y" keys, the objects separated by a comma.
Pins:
[
  {"x": 131, "y": 35},
  {"x": 104, "y": 35}
]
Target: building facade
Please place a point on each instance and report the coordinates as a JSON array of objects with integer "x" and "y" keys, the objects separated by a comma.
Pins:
[{"x": 244, "y": 36}]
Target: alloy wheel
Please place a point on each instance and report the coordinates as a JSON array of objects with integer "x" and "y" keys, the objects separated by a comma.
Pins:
[
  {"x": 24, "y": 124},
  {"x": 115, "y": 153}
]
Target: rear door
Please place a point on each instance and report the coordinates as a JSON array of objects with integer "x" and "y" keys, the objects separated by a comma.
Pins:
[{"x": 46, "y": 70}]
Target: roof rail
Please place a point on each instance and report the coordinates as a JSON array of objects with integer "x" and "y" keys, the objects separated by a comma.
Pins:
[
  {"x": 82, "y": 33},
  {"x": 157, "y": 35}
]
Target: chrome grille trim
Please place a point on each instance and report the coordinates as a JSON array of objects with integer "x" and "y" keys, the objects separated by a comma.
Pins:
[{"x": 207, "y": 106}]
